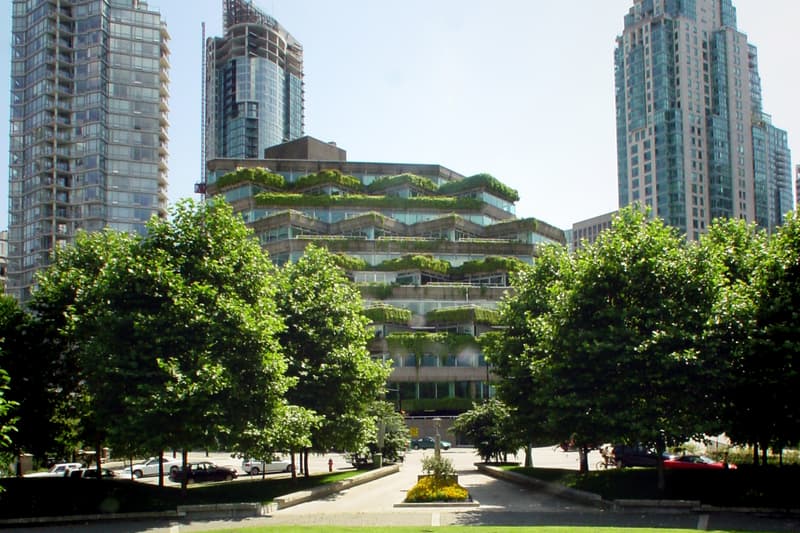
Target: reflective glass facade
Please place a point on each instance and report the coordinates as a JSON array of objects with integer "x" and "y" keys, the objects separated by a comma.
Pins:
[
  {"x": 254, "y": 85},
  {"x": 88, "y": 129},
  {"x": 692, "y": 141}
]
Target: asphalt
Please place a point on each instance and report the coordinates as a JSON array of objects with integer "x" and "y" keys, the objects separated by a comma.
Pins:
[{"x": 497, "y": 502}]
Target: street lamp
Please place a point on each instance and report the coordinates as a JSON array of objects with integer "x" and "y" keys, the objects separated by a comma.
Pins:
[{"x": 438, "y": 449}]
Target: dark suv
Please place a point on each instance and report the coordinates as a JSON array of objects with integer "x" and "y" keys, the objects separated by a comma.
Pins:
[{"x": 634, "y": 456}]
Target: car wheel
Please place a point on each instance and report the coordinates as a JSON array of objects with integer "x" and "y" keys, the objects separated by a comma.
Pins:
[
  {"x": 229, "y": 477},
  {"x": 415, "y": 446},
  {"x": 254, "y": 471},
  {"x": 288, "y": 468},
  {"x": 137, "y": 474},
  {"x": 173, "y": 470}
]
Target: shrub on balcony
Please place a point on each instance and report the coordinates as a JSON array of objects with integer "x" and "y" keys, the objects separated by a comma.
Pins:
[
  {"x": 413, "y": 262},
  {"x": 462, "y": 315},
  {"x": 348, "y": 263},
  {"x": 255, "y": 175},
  {"x": 388, "y": 182},
  {"x": 481, "y": 181},
  {"x": 329, "y": 177},
  {"x": 488, "y": 265},
  {"x": 387, "y": 314},
  {"x": 362, "y": 200}
]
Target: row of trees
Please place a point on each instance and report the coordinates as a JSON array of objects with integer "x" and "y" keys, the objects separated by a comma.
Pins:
[
  {"x": 189, "y": 338},
  {"x": 642, "y": 337}
]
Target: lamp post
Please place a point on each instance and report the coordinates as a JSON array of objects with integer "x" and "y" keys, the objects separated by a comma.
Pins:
[{"x": 438, "y": 448}]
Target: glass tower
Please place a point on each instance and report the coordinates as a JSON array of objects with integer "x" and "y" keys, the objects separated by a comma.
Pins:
[
  {"x": 253, "y": 85},
  {"x": 692, "y": 140},
  {"x": 88, "y": 129}
]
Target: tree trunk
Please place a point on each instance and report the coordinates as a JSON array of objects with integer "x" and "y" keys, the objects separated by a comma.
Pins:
[
  {"x": 305, "y": 461},
  {"x": 98, "y": 451},
  {"x": 528, "y": 455},
  {"x": 184, "y": 472},
  {"x": 662, "y": 481},
  {"x": 755, "y": 454},
  {"x": 294, "y": 470},
  {"x": 583, "y": 455},
  {"x": 161, "y": 468},
  {"x": 763, "y": 454}
]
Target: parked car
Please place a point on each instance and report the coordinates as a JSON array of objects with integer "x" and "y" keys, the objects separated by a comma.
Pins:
[
  {"x": 697, "y": 462},
  {"x": 150, "y": 467},
  {"x": 57, "y": 470},
  {"x": 203, "y": 471},
  {"x": 91, "y": 473},
  {"x": 254, "y": 467},
  {"x": 428, "y": 443},
  {"x": 626, "y": 456}
]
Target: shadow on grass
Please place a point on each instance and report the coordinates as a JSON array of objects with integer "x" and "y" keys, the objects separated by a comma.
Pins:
[
  {"x": 747, "y": 486},
  {"x": 28, "y": 497}
]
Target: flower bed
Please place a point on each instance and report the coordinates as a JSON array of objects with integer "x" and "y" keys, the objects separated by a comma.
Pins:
[{"x": 432, "y": 489}]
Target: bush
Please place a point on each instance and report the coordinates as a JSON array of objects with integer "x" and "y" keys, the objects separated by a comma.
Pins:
[
  {"x": 439, "y": 468},
  {"x": 429, "y": 489}
]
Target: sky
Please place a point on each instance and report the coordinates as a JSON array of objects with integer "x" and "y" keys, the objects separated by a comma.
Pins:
[{"x": 520, "y": 89}]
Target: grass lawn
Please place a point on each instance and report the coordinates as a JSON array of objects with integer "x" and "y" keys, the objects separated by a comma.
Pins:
[
  {"x": 454, "y": 529},
  {"x": 26, "y": 497},
  {"x": 747, "y": 486}
]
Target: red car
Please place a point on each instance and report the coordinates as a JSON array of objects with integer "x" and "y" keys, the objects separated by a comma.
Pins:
[{"x": 697, "y": 462}]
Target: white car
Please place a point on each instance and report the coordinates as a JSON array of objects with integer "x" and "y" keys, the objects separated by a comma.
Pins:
[
  {"x": 255, "y": 466},
  {"x": 150, "y": 468},
  {"x": 57, "y": 470}
]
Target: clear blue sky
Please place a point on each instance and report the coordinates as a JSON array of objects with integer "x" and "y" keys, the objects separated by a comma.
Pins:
[{"x": 521, "y": 89}]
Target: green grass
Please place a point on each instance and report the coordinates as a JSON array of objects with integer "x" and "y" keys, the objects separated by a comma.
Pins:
[
  {"x": 747, "y": 486},
  {"x": 454, "y": 529},
  {"x": 27, "y": 497}
]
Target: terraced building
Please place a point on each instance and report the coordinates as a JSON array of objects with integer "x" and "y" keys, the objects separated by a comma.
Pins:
[{"x": 431, "y": 250}]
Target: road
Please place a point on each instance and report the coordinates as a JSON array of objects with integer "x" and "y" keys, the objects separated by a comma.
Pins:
[{"x": 372, "y": 505}]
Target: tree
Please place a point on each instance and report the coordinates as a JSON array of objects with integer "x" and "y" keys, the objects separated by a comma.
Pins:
[
  {"x": 326, "y": 346},
  {"x": 734, "y": 250},
  {"x": 625, "y": 359},
  {"x": 176, "y": 330},
  {"x": 490, "y": 426},
  {"x": 772, "y": 368},
  {"x": 392, "y": 434},
  {"x": 519, "y": 353}
]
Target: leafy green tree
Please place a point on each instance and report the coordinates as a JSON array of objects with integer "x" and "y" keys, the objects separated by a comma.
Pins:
[
  {"x": 392, "y": 435},
  {"x": 490, "y": 426},
  {"x": 519, "y": 354},
  {"x": 176, "y": 331},
  {"x": 625, "y": 360},
  {"x": 325, "y": 343},
  {"x": 733, "y": 250},
  {"x": 772, "y": 368}
]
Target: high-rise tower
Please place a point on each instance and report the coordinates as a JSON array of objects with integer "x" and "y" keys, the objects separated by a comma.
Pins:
[
  {"x": 254, "y": 85},
  {"x": 692, "y": 139},
  {"x": 88, "y": 142}
]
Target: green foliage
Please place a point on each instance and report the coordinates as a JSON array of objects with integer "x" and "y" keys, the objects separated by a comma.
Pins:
[
  {"x": 461, "y": 315},
  {"x": 413, "y": 262},
  {"x": 325, "y": 343},
  {"x": 440, "y": 343},
  {"x": 255, "y": 175},
  {"x": 392, "y": 434},
  {"x": 387, "y": 314},
  {"x": 388, "y": 182},
  {"x": 488, "y": 265},
  {"x": 328, "y": 177},
  {"x": 378, "y": 291},
  {"x": 440, "y": 468},
  {"x": 179, "y": 325},
  {"x": 481, "y": 181},
  {"x": 491, "y": 428},
  {"x": 360, "y": 200},
  {"x": 349, "y": 263}
]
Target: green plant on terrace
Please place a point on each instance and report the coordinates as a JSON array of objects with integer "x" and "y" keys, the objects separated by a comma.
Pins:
[
  {"x": 387, "y": 182},
  {"x": 362, "y": 200},
  {"x": 485, "y": 181},
  {"x": 329, "y": 177},
  {"x": 460, "y": 315},
  {"x": 489, "y": 264},
  {"x": 254, "y": 175},
  {"x": 387, "y": 314},
  {"x": 421, "y": 262}
]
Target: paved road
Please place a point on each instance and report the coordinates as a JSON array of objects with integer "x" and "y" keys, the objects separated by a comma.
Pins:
[{"x": 373, "y": 505}]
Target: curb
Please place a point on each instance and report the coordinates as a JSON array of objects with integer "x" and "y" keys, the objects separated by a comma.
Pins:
[
  {"x": 550, "y": 488},
  {"x": 288, "y": 500},
  {"x": 219, "y": 510},
  {"x": 471, "y": 503}
]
